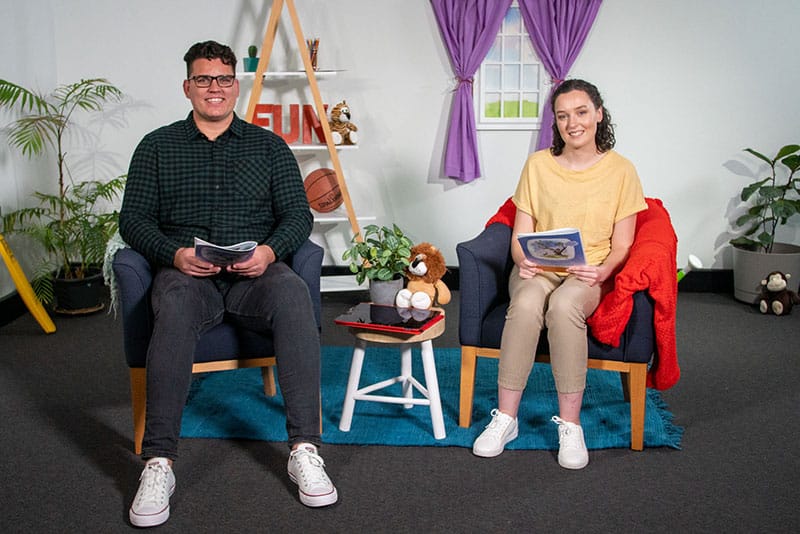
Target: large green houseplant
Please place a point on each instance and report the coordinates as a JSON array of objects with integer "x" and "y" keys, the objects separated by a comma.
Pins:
[
  {"x": 771, "y": 202},
  {"x": 74, "y": 223},
  {"x": 380, "y": 254}
]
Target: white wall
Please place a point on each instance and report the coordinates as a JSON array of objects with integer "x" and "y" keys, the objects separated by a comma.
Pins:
[{"x": 689, "y": 84}]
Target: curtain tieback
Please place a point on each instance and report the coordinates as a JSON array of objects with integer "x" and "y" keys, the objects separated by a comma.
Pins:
[{"x": 460, "y": 80}]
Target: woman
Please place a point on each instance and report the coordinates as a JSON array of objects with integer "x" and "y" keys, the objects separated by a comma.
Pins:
[{"x": 580, "y": 182}]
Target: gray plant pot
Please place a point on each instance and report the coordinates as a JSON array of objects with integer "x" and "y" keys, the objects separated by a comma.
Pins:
[
  {"x": 750, "y": 267},
  {"x": 384, "y": 292}
]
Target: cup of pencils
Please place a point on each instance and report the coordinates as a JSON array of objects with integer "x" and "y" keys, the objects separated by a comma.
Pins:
[{"x": 313, "y": 47}]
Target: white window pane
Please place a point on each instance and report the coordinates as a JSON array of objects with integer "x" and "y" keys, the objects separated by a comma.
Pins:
[
  {"x": 530, "y": 105},
  {"x": 491, "y": 77},
  {"x": 495, "y": 54},
  {"x": 511, "y": 48},
  {"x": 528, "y": 54},
  {"x": 511, "y": 105},
  {"x": 512, "y": 23},
  {"x": 530, "y": 77},
  {"x": 511, "y": 77},
  {"x": 491, "y": 107}
]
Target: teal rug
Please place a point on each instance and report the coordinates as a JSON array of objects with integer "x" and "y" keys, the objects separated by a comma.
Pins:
[{"x": 231, "y": 404}]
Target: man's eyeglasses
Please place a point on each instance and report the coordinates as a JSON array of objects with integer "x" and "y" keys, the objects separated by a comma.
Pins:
[{"x": 223, "y": 80}]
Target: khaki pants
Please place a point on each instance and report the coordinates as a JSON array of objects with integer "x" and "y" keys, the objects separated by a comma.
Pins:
[{"x": 561, "y": 304}]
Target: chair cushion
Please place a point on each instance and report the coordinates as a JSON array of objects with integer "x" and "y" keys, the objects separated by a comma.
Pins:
[{"x": 226, "y": 342}]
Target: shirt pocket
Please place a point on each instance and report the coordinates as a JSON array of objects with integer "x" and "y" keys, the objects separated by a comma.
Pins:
[{"x": 252, "y": 184}]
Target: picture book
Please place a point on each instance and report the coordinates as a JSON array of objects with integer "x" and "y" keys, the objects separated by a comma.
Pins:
[
  {"x": 554, "y": 250},
  {"x": 222, "y": 256}
]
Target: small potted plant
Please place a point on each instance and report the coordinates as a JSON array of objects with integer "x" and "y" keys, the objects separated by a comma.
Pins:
[
  {"x": 251, "y": 61},
  {"x": 74, "y": 223},
  {"x": 380, "y": 255},
  {"x": 772, "y": 201}
]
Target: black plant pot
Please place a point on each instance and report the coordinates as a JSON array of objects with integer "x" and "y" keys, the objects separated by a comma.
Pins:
[{"x": 80, "y": 296}]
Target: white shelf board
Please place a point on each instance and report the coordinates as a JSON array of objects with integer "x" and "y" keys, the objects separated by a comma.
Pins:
[
  {"x": 332, "y": 218},
  {"x": 319, "y": 147},
  {"x": 331, "y": 284},
  {"x": 289, "y": 74}
]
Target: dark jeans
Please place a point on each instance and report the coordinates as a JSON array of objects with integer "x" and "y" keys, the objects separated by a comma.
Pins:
[{"x": 276, "y": 303}]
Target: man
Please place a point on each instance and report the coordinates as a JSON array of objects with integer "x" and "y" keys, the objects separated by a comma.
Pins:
[{"x": 224, "y": 180}]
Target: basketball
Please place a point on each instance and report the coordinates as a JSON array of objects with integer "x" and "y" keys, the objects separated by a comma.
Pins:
[{"x": 322, "y": 190}]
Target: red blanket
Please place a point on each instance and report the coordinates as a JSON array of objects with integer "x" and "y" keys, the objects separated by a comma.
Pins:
[{"x": 651, "y": 266}]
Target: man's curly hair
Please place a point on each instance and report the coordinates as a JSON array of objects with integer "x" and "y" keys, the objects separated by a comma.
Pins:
[
  {"x": 209, "y": 50},
  {"x": 604, "y": 138}
]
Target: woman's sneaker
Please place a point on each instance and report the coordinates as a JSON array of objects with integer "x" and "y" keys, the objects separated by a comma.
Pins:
[
  {"x": 307, "y": 470},
  {"x": 151, "y": 505},
  {"x": 572, "y": 453},
  {"x": 492, "y": 441}
]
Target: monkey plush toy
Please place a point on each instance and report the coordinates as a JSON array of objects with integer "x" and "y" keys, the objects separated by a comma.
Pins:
[{"x": 776, "y": 297}]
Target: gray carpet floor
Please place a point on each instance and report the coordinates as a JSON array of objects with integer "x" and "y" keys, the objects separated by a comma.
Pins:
[{"x": 67, "y": 464}]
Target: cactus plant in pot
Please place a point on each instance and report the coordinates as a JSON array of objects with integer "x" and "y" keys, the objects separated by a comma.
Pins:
[
  {"x": 251, "y": 61},
  {"x": 73, "y": 224},
  {"x": 771, "y": 202}
]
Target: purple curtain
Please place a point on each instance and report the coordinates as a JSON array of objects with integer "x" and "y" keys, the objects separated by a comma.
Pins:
[
  {"x": 468, "y": 29},
  {"x": 558, "y": 29}
]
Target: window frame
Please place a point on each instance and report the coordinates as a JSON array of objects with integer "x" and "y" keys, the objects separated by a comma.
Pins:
[{"x": 481, "y": 82}]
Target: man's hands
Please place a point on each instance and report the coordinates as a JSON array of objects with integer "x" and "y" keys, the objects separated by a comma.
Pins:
[
  {"x": 186, "y": 262},
  {"x": 262, "y": 257}
]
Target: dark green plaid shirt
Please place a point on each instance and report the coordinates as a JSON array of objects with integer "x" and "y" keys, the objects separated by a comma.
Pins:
[{"x": 243, "y": 186}]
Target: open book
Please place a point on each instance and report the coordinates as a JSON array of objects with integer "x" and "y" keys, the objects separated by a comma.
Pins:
[
  {"x": 554, "y": 250},
  {"x": 222, "y": 256}
]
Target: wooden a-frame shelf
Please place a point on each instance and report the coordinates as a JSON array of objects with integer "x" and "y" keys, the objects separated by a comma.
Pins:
[{"x": 311, "y": 75}]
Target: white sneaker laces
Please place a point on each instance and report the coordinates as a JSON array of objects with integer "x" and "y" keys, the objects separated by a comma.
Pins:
[
  {"x": 499, "y": 423},
  {"x": 153, "y": 488},
  {"x": 568, "y": 438},
  {"x": 311, "y": 466}
]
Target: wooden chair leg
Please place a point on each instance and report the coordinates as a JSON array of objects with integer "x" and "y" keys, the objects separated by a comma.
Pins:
[
  {"x": 268, "y": 374},
  {"x": 625, "y": 378},
  {"x": 638, "y": 394},
  {"x": 138, "y": 404},
  {"x": 469, "y": 359}
]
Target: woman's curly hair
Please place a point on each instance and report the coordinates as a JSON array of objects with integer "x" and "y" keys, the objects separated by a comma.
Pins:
[{"x": 604, "y": 138}]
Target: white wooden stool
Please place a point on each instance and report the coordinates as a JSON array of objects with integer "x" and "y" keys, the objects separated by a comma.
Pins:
[{"x": 409, "y": 383}]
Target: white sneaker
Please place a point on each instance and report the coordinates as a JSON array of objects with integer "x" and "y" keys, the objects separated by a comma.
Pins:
[
  {"x": 151, "y": 505},
  {"x": 572, "y": 453},
  {"x": 307, "y": 470},
  {"x": 492, "y": 441}
]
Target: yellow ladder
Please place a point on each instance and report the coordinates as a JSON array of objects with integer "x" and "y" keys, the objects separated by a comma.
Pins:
[{"x": 24, "y": 288}]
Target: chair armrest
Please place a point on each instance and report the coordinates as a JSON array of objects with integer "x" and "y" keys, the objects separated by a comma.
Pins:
[
  {"x": 307, "y": 263},
  {"x": 484, "y": 265},
  {"x": 639, "y": 333},
  {"x": 134, "y": 277}
]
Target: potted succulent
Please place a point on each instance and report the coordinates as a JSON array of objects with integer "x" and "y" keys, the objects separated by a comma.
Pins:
[
  {"x": 772, "y": 201},
  {"x": 73, "y": 224},
  {"x": 251, "y": 61},
  {"x": 380, "y": 255}
]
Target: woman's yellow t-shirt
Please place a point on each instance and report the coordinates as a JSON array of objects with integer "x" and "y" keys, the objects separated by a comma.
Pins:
[{"x": 592, "y": 200}]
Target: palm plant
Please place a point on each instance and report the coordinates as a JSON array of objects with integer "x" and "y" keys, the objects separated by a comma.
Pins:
[{"x": 70, "y": 224}]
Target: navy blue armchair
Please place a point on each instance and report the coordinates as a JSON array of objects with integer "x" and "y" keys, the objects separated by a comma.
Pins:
[
  {"x": 484, "y": 267},
  {"x": 223, "y": 347}
]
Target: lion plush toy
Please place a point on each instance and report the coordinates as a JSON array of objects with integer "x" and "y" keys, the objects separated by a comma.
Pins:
[
  {"x": 342, "y": 130},
  {"x": 776, "y": 297},
  {"x": 425, "y": 287}
]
